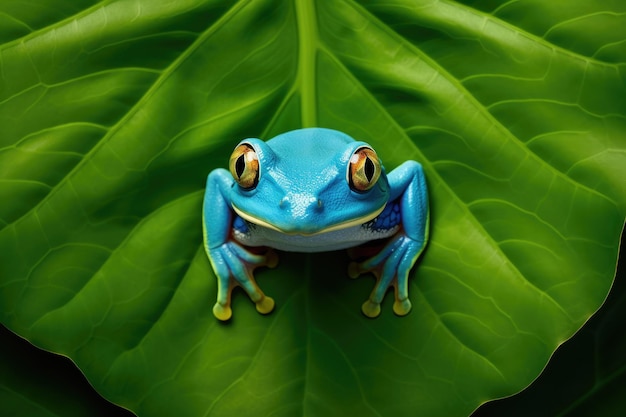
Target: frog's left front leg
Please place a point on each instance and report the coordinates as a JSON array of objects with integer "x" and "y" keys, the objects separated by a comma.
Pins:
[
  {"x": 232, "y": 263},
  {"x": 392, "y": 264}
]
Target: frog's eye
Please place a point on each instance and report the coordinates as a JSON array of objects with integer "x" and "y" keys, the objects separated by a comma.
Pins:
[
  {"x": 244, "y": 166},
  {"x": 364, "y": 169}
]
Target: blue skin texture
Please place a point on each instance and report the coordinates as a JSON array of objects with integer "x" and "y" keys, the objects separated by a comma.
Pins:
[{"x": 302, "y": 191}]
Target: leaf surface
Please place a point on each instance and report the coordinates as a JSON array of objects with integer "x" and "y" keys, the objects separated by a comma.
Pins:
[
  {"x": 586, "y": 375},
  {"x": 38, "y": 383},
  {"x": 113, "y": 114}
]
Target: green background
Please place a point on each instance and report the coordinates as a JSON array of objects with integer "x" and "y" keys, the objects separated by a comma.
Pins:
[
  {"x": 112, "y": 114},
  {"x": 585, "y": 377}
]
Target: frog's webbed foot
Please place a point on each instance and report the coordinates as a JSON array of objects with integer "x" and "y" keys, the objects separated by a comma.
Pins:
[
  {"x": 391, "y": 267},
  {"x": 234, "y": 266}
]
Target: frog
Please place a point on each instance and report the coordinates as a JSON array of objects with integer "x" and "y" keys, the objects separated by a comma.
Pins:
[{"x": 313, "y": 190}]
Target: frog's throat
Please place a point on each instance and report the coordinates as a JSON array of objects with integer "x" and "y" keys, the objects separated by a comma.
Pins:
[{"x": 343, "y": 225}]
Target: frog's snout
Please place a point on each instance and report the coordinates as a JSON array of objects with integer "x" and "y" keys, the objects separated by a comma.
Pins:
[
  {"x": 299, "y": 204},
  {"x": 300, "y": 212}
]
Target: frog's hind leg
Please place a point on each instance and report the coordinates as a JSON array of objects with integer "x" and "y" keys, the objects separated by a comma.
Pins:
[{"x": 242, "y": 263}]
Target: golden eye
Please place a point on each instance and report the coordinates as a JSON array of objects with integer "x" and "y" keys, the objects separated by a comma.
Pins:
[
  {"x": 364, "y": 169},
  {"x": 244, "y": 166}
]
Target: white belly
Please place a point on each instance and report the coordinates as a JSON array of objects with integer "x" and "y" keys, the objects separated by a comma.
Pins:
[{"x": 320, "y": 242}]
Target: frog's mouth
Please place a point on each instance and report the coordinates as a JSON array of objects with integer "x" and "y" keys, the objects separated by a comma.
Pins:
[{"x": 299, "y": 230}]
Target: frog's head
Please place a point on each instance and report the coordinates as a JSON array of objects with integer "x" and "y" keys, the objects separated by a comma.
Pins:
[{"x": 307, "y": 181}]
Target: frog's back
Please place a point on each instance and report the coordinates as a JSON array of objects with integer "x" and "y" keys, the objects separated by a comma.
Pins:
[
  {"x": 310, "y": 151},
  {"x": 310, "y": 141}
]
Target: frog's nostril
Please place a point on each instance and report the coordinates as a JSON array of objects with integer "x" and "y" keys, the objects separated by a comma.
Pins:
[{"x": 300, "y": 206}]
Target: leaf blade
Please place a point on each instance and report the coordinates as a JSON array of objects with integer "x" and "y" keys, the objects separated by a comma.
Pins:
[{"x": 509, "y": 243}]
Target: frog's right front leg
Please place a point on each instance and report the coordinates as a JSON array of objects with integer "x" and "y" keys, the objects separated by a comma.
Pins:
[{"x": 232, "y": 263}]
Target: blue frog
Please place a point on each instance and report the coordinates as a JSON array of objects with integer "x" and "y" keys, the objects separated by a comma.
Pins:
[{"x": 313, "y": 190}]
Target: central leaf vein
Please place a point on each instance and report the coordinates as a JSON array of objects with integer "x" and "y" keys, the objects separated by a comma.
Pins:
[{"x": 307, "y": 43}]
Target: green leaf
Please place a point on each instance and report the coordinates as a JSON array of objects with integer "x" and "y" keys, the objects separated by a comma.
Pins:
[
  {"x": 114, "y": 112},
  {"x": 586, "y": 375},
  {"x": 38, "y": 383}
]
